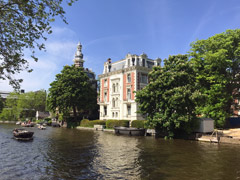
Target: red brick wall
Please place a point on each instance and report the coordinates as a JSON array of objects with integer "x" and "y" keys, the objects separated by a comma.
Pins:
[
  {"x": 124, "y": 86},
  {"x": 102, "y": 91},
  {"x": 133, "y": 85}
]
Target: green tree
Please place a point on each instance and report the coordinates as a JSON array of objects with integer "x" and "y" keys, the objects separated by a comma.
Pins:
[
  {"x": 23, "y": 24},
  {"x": 216, "y": 63},
  {"x": 169, "y": 100},
  {"x": 72, "y": 92},
  {"x": 30, "y": 102},
  {"x": 10, "y": 111}
]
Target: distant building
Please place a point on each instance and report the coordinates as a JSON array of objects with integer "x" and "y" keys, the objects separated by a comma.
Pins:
[
  {"x": 42, "y": 115},
  {"x": 118, "y": 83},
  {"x": 4, "y": 94}
]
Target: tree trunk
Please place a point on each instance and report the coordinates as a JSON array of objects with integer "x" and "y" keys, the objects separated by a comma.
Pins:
[{"x": 75, "y": 113}]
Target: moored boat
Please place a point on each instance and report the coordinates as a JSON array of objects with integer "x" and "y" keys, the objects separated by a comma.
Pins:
[
  {"x": 129, "y": 131},
  {"x": 27, "y": 125},
  {"x": 22, "y": 134}
]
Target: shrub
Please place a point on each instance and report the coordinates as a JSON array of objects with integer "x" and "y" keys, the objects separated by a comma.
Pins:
[
  {"x": 138, "y": 123},
  {"x": 47, "y": 119},
  {"x": 87, "y": 123},
  {"x": 40, "y": 121},
  {"x": 84, "y": 123},
  {"x": 111, "y": 123},
  {"x": 49, "y": 123}
]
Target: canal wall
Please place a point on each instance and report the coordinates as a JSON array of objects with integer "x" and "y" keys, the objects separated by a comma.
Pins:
[{"x": 8, "y": 122}]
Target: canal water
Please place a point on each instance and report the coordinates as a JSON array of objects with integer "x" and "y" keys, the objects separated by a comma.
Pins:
[{"x": 59, "y": 153}]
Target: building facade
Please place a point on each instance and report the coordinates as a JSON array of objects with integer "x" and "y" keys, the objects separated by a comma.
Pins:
[{"x": 118, "y": 84}]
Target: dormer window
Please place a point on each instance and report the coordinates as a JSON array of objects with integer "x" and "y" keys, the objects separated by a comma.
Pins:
[
  {"x": 133, "y": 61},
  {"x": 143, "y": 62}
]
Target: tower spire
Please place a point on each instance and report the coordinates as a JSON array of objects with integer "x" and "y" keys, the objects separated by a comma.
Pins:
[{"x": 78, "y": 59}]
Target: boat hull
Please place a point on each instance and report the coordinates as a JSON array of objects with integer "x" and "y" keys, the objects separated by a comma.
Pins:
[
  {"x": 129, "y": 131},
  {"x": 21, "y": 133}
]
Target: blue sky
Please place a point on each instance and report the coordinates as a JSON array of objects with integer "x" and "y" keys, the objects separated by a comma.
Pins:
[{"x": 112, "y": 28}]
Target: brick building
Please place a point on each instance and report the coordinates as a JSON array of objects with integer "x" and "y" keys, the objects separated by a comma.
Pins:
[{"x": 118, "y": 83}]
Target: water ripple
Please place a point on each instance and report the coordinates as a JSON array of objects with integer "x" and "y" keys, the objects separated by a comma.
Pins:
[{"x": 58, "y": 153}]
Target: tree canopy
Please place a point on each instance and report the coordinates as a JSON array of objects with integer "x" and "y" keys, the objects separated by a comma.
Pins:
[
  {"x": 1, "y": 104},
  {"x": 23, "y": 105},
  {"x": 216, "y": 63},
  {"x": 169, "y": 100},
  {"x": 72, "y": 91},
  {"x": 23, "y": 24}
]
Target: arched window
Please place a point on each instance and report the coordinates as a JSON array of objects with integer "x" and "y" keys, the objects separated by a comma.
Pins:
[
  {"x": 116, "y": 114},
  {"x": 113, "y": 114},
  {"x": 113, "y": 102}
]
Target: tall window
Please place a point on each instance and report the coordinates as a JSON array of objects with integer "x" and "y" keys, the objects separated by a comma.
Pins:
[
  {"x": 113, "y": 102},
  {"x": 114, "y": 90},
  {"x": 129, "y": 78},
  {"x": 144, "y": 78},
  {"x": 129, "y": 93},
  {"x": 117, "y": 87},
  {"x": 105, "y": 110},
  {"x": 105, "y": 82},
  {"x": 116, "y": 114},
  {"x": 128, "y": 109},
  {"x": 105, "y": 96},
  {"x": 116, "y": 102},
  {"x": 113, "y": 114}
]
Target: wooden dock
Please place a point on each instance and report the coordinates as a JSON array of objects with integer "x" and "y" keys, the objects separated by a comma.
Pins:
[{"x": 213, "y": 138}]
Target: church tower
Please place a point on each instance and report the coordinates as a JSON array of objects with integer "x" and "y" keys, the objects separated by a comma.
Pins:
[{"x": 78, "y": 60}]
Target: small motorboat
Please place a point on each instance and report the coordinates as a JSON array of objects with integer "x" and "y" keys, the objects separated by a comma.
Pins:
[
  {"x": 18, "y": 123},
  {"x": 22, "y": 134},
  {"x": 129, "y": 131},
  {"x": 41, "y": 127}
]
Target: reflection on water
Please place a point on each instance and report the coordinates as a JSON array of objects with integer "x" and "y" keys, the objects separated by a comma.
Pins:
[
  {"x": 59, "y": 153},
  {"x": 116, "y": 157}
]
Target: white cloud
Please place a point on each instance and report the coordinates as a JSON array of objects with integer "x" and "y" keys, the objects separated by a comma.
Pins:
[{"x": 61, "y": 49}]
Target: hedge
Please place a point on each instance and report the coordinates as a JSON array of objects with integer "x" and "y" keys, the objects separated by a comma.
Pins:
[
  {"x": 138, "y": 123},
  {"x": 91, "y": 123},
  {"x": 111, "y": 123}
]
